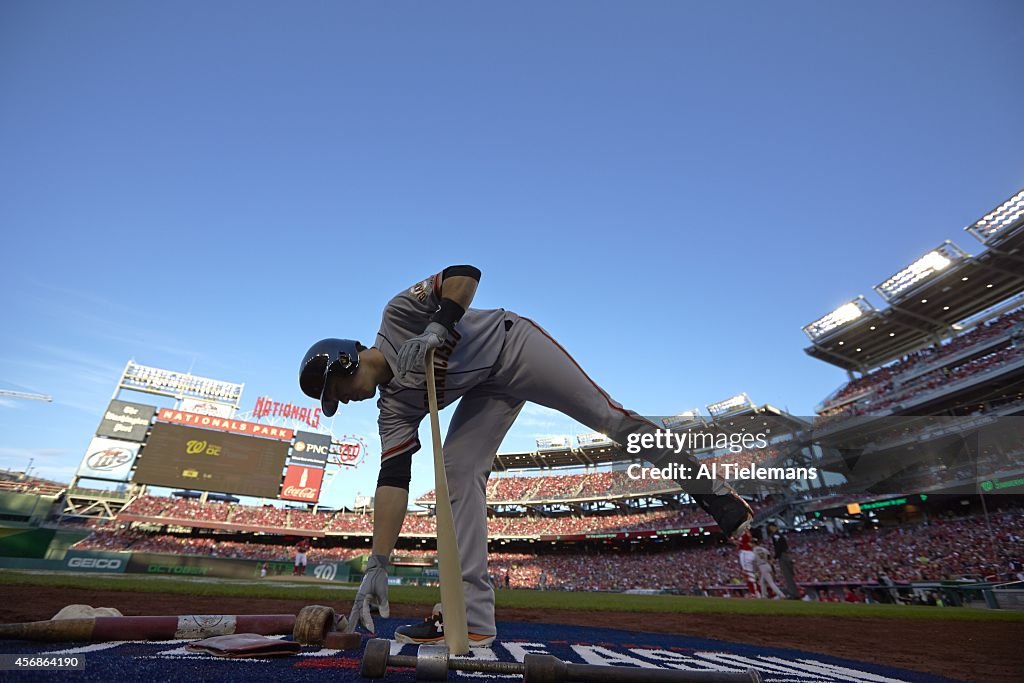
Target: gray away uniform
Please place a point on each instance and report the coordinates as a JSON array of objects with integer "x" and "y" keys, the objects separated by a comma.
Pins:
[
  {"x": 496, "y": 362},
  {"x": 765, "y": 573}
]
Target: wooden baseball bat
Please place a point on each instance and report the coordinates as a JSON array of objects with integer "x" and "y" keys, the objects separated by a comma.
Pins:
[
  {"x": 453, "y": 599},
  {"x": 99, "y": 629},
  {"x": 310, "y": 627}
]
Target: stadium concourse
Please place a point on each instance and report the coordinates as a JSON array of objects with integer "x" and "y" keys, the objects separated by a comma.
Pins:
[{"x": 916, "y": 498}]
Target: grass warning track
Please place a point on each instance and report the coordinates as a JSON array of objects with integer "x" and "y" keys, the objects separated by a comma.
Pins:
[{"x": 525, "y": 599}]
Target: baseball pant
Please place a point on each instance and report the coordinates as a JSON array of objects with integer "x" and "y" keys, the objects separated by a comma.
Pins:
[
  {"x": 747, "y": 564},
  {"x": 531, "y": 367},
  {"x": 786, "y": 564},
  {"x": 764, "y": 571}
]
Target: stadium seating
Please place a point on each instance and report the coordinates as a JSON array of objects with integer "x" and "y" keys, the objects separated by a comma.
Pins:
[
  {"x": 269, "y": 519},
  {"x": 944, "y": 549},
  {"x": 555, "y": 488},
  {"x": 936, "y": 367}
]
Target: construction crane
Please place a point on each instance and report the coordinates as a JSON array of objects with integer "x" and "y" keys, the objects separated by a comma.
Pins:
[{"x": 27, "y": 395}]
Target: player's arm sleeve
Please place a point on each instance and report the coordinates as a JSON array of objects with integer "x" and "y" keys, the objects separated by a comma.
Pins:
[
  {"x": 410, "y": 310},
  {"x": 462, "y": 271},
  {"x": 456, "y": 291}
]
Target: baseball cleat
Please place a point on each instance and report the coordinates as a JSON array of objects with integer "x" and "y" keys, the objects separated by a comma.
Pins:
[
  {"x": 431, "y": 630},
  {"x": 732, "y": 514}
]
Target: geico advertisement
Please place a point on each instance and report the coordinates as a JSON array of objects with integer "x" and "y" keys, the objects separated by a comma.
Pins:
[
  {"x": 96, "y": 562},
  {"x": 206, "y": 460}
]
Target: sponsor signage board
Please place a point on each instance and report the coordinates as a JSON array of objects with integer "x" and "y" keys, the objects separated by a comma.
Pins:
[
  {"x": 268, "y": 407},
  {"x": 93, "y": 561},
  {"x": 126, "y": 420},
  {"x": 302, "y": 483},
  {"x": 108, "y": 459},
  {"x": 331, "y": 571},
  {"x": 199, "y": 565},
  {"x": 178, "y": 384},
  {"x": 201, "y": 407},
  {"x": 311, "y": 449},
  {"x": 206, "y": 460},
  {"x": 182, "y": 417}
]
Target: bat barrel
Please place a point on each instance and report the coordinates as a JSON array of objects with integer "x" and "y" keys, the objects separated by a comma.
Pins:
[{"x": 62, "y": 630}]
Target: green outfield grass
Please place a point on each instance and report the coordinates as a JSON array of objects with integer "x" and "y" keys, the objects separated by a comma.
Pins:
[{"x": 613, "y": 602}]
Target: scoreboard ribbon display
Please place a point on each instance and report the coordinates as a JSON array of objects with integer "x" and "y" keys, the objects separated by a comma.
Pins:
[{"x": 208, "y": 460}]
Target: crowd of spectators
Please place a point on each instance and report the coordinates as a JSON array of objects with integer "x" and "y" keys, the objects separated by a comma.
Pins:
[
  {"x": 563, "y": 487},
  {"x": 265, "y": 517},
  {"x": 748, "y": 457},
  {"x": 942, "y": 549},
  {"x": 927, "y": 369},
  {"x": 352, "y": 523},
  {"x": 596, "y": 485},
  {"x": 188, "y": 512},
  {"x": 149, "y": 506},
  {"x": 303, "y": 519}
]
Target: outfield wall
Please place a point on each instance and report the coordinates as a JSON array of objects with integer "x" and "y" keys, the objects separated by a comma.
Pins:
[
  {"x": 160, "y": 564},
  {"x": 29, "y": 541}
]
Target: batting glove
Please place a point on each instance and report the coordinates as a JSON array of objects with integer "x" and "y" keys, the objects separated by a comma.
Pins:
[
  {"x": 373, "y": 592},
  {"x": 412, "y": 355}
]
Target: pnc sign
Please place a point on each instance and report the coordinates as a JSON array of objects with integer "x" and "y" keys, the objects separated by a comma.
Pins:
[{"x": 311, "y": 449}]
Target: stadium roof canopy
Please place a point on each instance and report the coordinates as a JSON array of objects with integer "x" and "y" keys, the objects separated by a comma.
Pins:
[
  {"x": 767, "y": 416},
  {"x": 778, "y": 421},
  {"x": 569, "y": 457},
  {"x": 931, "y": 299}
]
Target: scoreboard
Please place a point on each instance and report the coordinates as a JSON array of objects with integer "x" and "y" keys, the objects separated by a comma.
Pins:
[{"x": 208, "y": 460}]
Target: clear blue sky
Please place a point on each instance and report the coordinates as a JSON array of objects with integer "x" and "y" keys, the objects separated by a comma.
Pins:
[{"x": 672, "y": 188}]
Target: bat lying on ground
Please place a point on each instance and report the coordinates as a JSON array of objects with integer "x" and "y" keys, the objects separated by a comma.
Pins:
[{"x": 310, "y": 626}]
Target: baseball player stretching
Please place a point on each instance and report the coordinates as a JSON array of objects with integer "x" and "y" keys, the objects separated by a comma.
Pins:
[{"x": 495, "y": 361}]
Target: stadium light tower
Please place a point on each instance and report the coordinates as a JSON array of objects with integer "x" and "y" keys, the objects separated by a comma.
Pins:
[
  {"x": 841, "y": 317},
  {"x": 999, "y": 220},
  {"x": 920, "y": 271},
  {"x": 734, "y": 404},
  {"x": 687, "y": 418}
]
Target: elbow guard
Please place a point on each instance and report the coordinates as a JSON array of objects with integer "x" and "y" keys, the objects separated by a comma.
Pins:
[{"x": 396, "y": 471}]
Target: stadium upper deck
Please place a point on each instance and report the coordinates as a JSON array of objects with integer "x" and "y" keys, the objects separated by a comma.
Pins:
[
  {"x": 938, "y": 296},
  {"x": 732, "y": 415}
]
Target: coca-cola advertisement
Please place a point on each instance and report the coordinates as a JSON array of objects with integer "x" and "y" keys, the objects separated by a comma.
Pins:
[{"x": 302, "y": 483}]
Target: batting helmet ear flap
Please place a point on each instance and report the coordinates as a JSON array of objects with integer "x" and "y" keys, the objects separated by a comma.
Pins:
[{"x": 324, "y": 359}]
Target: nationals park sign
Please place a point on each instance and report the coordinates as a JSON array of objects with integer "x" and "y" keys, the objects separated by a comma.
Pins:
[{"x": 224, "y": 424}]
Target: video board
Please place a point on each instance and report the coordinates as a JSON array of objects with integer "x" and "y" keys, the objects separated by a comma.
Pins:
[{"x": 208, "y": 460}]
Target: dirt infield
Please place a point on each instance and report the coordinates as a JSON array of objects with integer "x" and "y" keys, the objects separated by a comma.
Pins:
[{"x": 973, "y": 651}]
